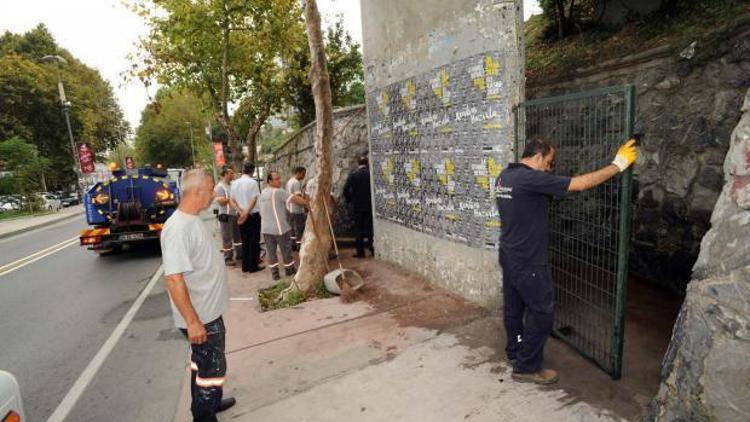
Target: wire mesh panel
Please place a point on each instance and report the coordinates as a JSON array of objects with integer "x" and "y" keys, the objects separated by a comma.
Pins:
[{"x": 589, "y": 231}]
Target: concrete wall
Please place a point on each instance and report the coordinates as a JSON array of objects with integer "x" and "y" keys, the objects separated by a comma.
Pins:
[
  {"x": 442, "y": 77},
  {"x": 349, "y": 142}
]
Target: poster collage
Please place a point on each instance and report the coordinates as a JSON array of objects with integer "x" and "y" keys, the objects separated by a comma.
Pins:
[{"x": 438, "y": 141}]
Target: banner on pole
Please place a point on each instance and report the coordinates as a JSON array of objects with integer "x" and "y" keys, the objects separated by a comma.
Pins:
[{"x": 86, "y": 158}]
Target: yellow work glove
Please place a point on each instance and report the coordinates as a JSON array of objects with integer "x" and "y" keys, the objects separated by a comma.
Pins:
[{"x": 626, "y": 155}]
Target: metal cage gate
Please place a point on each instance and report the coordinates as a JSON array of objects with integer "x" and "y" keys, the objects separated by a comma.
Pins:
[{"x": 589, "y": 231}]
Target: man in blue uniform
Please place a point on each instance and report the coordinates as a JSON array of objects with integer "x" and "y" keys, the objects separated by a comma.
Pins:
[{"x": 524, "y": 190}]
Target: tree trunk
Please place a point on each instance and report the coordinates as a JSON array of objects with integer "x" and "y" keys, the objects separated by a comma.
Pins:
[
  {"x": 252, "y": 134},
  {"x": 560, "y": 19},
  {"x": 316, "y": 242},
  {"x": 235, "y": 157}
]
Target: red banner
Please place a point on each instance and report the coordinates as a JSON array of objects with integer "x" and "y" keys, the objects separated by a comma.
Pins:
[
  {"x": 219, "y": 154},
  {"x": 129, "y": 163},
  {"x": 86, "y": 158}
]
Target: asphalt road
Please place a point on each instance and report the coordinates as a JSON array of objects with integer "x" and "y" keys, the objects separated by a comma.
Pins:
[{"x": 56, "y": 313}]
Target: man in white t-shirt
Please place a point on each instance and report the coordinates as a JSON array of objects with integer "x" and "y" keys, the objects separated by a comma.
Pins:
[
  {"x": 196, "y": 281},
  {"x": 275, "y": 228},
  {"x": 244, "y": 197}
]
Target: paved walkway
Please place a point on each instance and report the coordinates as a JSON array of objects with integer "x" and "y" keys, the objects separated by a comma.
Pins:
[
  {"x": 18, "y": 225},
  {"x": 405, "y": 350}
]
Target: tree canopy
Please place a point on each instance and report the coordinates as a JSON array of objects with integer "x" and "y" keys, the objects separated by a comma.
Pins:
[
  {"x": 164, "y": 135},
  {"x": 345, "y": 69},
  {"x": 30, "y": 107},
  {"x": 230, "y": 51}
]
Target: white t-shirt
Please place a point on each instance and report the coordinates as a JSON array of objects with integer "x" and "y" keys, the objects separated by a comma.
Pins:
[
  {"x": 243, "y": 190},
  {"x": 188, "y": 249}
]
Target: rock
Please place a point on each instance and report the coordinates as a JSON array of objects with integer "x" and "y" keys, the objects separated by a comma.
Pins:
[
  {"x": 668, "y": 83},
  {"x": 711, "y": 178},
  {"x": 679, "y": 172},
  {"x": 706, "y": 369}
]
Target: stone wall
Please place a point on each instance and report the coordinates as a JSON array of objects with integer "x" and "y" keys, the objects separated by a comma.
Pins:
[
  {"x": 349, "y": 142},
  {"x": 442, "y": 78},
  {"x": 706, "y": 369},
  {"x": 688, "y": 101}
]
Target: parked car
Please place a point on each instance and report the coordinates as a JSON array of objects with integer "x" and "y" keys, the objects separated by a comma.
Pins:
[
  {"x": 70, "y": 199},
  {"x": 51, "y": 202},
  {"x": 11, "y": 408}
]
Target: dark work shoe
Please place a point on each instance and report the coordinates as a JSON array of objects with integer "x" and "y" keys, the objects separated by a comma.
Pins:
[
  {"x": 290, "y": 271},
  {"x": 543, "y": 377},
  {"x": 226, "y": 404},
  {"x": 275, "y": 274},
  {"x": 260, "y": 268},
  {"x": 359, "y": 255}
]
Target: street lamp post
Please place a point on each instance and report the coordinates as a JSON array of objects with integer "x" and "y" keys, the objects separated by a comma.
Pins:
[
  {"x": 192, "y": 147},
  {"x": 66, "y": 111}
]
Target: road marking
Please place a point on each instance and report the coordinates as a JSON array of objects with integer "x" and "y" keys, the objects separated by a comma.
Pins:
[
  {"x": 36, "y": 256},
  {"x": 75, "y": 392},
  {"x": 242, "y": 299}
]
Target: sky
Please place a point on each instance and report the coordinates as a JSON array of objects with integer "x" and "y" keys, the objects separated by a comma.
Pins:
[{"x": 101, "y": 33}]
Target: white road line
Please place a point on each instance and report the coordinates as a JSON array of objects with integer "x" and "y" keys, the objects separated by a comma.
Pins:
[
  {"x": 242, "y": 299},
  {"x": 36, "y": 256},
  {"x": 75, "y": 392}
]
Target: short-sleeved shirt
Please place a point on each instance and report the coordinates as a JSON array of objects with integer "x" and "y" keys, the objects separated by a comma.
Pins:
[
  {"x": 294, "y": 186},
  {"x": 243, "y": 190},
  {"x": 188, "y": 249},
  {"x": 523, "y": 203},
  {"x": 273, "y": 216},
  {"x": 222, "y": 190}
]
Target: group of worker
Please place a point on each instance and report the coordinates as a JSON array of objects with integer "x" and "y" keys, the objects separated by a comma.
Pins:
[{"x": 196, "y": 276}]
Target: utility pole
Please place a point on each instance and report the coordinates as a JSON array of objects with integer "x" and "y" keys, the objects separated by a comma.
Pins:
[
  {"x": 192, "y": 146},
  {"x": 66, "y": 111}
]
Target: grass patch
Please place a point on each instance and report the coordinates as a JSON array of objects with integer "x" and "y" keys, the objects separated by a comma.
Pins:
[
  {"x": 269, "y": 297},
  {"x": 9, "y": 215},
  {"x": 553, "y": 58}
]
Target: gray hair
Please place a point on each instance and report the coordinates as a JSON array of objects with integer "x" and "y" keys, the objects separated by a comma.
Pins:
[{"x": 192, "y": 179}]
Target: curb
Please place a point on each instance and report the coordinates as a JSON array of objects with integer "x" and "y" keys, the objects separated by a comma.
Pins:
[{"x": 40, "y": 225}]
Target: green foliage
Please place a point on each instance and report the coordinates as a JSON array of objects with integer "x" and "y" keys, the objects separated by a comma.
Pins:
[
  {"x": 677, "y": 23},
  {"x": 21, "y": 159},
  {"x": 344, "y": 67},
  {"x": 271, "y": 139},
  {"x": 165, "y": 130},
  {"x": 186, "y": 49},
  {"x": 272, "y": 298},
  {"x": 30, "y": 106}
]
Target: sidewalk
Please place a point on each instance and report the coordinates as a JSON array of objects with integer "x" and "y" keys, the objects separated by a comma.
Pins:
[
  {"x": 404, "y": 351},
  {"x": 23, "y": 224}
]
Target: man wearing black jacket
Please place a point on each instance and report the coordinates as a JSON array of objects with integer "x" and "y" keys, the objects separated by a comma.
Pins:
[{"x": 357, "y": 192}]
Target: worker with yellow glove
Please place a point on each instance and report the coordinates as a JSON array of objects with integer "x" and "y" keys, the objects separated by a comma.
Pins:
[{"x": 524, "y": 190}]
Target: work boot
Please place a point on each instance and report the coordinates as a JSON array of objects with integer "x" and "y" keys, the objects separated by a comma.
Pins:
[
  {"x": 275, "y": 274},
  {"x": 226, "y": 404},
  {"x": 290, "y": 270},
  {"x": 543, "y": 377}
]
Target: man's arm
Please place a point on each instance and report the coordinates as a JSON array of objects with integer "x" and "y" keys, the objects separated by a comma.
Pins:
[
  {"x": 179, "y": 293},
  {"x": 626, "y": 155},
  {"x": 298, "y": 199},
  {"x": 222, "y": 200}
]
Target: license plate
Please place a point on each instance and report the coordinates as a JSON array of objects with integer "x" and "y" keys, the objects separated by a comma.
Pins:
[{"x": 131, "y": 236}]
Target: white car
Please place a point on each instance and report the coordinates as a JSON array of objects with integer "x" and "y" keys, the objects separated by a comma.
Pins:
[
  {"x": 11, "y": 408},
  {"x": 51, "y": 202}
]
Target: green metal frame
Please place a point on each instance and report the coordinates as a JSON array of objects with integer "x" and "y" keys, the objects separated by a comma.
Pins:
[{"x": 581, "y": 270}]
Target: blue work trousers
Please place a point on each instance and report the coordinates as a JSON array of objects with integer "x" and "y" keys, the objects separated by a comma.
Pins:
[
  {"x": 528, "y": 312},
  {"x": 208, "y": 368}
]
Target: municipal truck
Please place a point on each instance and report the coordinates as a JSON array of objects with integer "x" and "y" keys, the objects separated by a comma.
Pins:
[{"x": 129, "y": 208}]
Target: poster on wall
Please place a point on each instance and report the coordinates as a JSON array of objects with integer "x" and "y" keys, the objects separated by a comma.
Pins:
[
  {"x": 438, "y": 141},
  {"x": 86, "y": 158}
]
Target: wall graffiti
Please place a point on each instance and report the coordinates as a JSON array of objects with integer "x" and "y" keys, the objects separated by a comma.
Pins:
[{"x": 438, "y": 140}]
